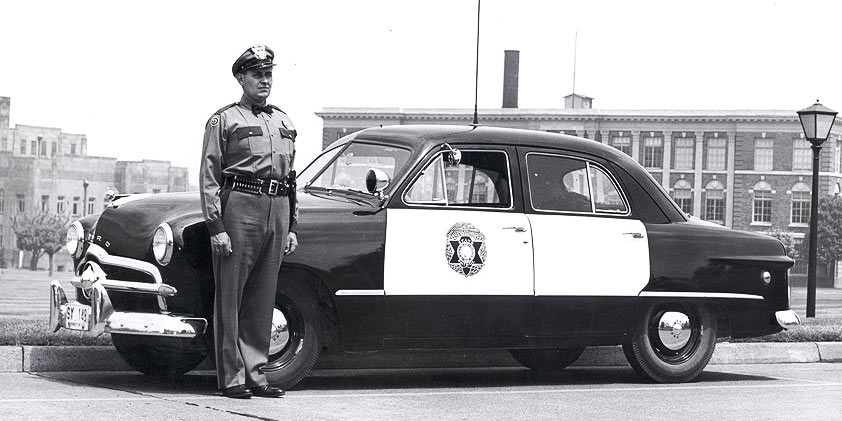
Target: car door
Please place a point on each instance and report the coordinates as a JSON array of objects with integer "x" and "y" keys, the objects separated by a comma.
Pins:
[
  {"x": 587, "y": 244},
  {"x": 458, "y": 259}
]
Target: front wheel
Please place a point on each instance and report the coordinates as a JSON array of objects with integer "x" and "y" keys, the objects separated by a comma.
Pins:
[
  {"x": 160, "y": 356},
  {"x": 546, "y": 360},
  {"x": 294, "y": 345},
  {"x": 672, "y": 343}
]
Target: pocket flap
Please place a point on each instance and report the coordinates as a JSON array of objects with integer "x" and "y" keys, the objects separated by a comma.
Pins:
[{"x": 243, "y": 132}]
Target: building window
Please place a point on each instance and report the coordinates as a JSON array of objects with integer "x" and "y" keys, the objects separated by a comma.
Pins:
[
  {"x": 715, "y": 202},
  {"x": 763, "y": 151},
  {"x": 60, "y": 203},
  {"x": 91, "y": 205},
  {"x": 623, "y": 143},
  {"x": 53, "y": 149},
  {"x": 75, "y": 207},
  {"x": 802, "y": 155},
  {"x": 684, "y": 153},
  {"x": 23, "y": 147},
  {"x": 33, "y": 148},
  {"x": 2, "y": 201},
  {"x": 73, "y": 149},
  {"x": 762, "y": 207},
  {"x": 800, "y": 204},
  {"x": 653, "y": 152},
  {"x": 21, "y": 203},
  {"x": 716, "y": 153},
  {"x": 683, "y": 196},
  {"x": 1, "y": 238},
  {"x": 5, "y": 143},
  {"x": 42, "y": 147},
  {"x": 45, "y": 203}
]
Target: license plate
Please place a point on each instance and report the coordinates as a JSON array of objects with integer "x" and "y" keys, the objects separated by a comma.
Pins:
[{"x": 76, "y": 316}]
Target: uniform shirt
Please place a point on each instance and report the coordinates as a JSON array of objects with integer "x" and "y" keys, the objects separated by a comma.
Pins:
[{"x": 237, "y": 142}]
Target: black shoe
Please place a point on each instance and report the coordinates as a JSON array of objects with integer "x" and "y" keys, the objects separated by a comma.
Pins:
[
  {"x": 237, "y": 392},
  {"x": 267, "y": 391}
]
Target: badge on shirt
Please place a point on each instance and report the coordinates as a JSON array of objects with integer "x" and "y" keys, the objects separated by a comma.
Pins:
[{"x": 214, "y": 121}]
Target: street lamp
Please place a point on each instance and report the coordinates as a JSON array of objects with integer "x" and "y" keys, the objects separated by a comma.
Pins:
[
  {"x": 816, "y": 121},
  {"x": 85, "y": 184}
]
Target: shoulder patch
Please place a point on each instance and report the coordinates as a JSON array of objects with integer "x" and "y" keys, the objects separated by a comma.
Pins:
[{"x": 214, "y": 121}]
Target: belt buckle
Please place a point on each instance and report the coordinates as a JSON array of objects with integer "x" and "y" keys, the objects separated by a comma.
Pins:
[{"x": 273, "y": 187}]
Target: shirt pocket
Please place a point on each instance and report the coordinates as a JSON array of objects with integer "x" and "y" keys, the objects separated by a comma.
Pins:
[{"x": 251, "y": 137}]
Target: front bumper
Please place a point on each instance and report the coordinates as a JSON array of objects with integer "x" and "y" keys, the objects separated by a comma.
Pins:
[{"x": 100, "y": 316}]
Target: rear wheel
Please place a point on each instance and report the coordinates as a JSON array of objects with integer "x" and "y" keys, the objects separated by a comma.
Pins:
[
  {"x": 672, "y": 343},
  {"x": 160, "y": 356},
  {"x": 294, "y": 345},
  {"x": 546, "y": 360}
]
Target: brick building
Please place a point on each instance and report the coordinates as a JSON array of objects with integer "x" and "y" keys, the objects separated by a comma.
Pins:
[
  {"x": 746, "y": 169},
  {"x": 43, "y": 169}
]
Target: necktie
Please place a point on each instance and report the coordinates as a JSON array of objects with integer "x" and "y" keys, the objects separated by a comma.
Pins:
[{"x": 257, "y": 109}]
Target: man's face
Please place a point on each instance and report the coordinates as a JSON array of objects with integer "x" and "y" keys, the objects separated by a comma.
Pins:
[{"x": 256, "y": 83}]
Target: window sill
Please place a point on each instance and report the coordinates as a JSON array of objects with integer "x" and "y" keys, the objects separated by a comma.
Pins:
[
  {"x": 798, "y": 225},
  {"x": 761, "y": 224}
]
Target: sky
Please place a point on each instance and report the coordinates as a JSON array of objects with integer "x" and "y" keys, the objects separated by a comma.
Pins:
[{"x": 141, "y": 78}]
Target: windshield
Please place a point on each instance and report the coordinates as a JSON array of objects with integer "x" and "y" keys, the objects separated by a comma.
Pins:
[{"x": 346, "y": 168}]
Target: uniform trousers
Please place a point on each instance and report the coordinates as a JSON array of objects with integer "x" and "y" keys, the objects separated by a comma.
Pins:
[{"x": 246, "y": 282}]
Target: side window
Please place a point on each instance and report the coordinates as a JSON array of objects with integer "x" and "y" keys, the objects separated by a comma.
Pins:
[
  {"x": 606, "y": 196},
  {"x": 564, "y": 184},
  {"x": 481, "y": 179},
  {"x": 558, "y": 184}
]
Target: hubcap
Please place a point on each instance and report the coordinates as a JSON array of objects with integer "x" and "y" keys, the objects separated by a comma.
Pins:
[
  {"x": 674, "y": 330},
  {"x": 279, "y": 335}
]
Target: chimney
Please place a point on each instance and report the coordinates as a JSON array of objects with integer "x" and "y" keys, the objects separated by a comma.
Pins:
[{"x": 510, "y": 74}]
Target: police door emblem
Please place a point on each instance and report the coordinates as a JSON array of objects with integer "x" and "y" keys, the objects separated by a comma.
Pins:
[{"x": 465, "y": 249}]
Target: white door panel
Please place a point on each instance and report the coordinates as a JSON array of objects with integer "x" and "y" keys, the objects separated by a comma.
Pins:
[
  {"x": 417, "y": 243},
  {"x": 589, "y": 256}
]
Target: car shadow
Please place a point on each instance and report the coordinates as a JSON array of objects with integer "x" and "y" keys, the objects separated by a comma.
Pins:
[{"x": 204, "y": 382}]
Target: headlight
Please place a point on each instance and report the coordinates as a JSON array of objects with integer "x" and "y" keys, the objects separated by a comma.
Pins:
[
  {"x": 73, "y": 239},
  {"x": 162, "y": 244}
]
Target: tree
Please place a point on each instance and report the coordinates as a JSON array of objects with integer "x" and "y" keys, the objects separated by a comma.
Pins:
[
  {"x": 40, "y": 233},
  {"x": 790, "y": 244},
  {"x": 829, "y": 232}
]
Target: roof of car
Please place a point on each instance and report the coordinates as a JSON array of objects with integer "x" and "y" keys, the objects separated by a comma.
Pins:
[
  {"x": 423, "y": 136},
  {"x": 420, "y": 135}
]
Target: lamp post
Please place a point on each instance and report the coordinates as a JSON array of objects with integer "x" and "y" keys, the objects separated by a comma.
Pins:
[
  {"x": 816, "y": 121},
  {"x": 85, "y": 184}
]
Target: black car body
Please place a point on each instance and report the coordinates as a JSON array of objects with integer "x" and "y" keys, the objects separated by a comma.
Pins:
[{"x": 445, "y": 237}]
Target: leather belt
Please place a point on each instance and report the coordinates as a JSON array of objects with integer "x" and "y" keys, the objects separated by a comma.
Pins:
[{"x": 270, "y": 187}]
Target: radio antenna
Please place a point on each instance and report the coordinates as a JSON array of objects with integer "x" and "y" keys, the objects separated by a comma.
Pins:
[
  {"x": 476, "y": 75},
  {"x": 575, "y": 45}
]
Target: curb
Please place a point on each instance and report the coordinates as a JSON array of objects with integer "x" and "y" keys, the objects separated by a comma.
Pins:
[{"x": 105, "y": 358}]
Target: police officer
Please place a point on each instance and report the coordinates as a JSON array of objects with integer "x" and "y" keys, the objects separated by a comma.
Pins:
[{"x": 247, "y": 187}]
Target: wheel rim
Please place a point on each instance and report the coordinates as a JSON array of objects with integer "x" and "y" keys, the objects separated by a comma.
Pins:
[
  {"x": 286, "y": 335},
  {"x": 674, "y": 333}
]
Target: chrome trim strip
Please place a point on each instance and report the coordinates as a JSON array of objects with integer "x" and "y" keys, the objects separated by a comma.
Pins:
[
  {"x": 787, "y": 318},
  {"x": 360, "y": 292},
  {"x": 128, "y": 286},
  {"x": 667, "y": 294}
]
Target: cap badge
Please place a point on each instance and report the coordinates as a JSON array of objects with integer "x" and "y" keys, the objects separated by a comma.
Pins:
[{"x": 260, "y": 51}]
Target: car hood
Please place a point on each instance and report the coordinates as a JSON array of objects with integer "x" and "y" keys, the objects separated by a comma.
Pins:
[{"x": 126, "y": 226}]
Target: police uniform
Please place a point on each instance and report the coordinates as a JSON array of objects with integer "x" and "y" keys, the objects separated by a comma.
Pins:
[{"x": 247, "y": 191}]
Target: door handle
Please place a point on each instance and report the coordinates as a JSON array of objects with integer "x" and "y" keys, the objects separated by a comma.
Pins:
[
  {"x": 634, "y": 234},
  {"x": 517, "y": 229}
]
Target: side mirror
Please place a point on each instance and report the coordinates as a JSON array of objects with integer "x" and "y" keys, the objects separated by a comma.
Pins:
[
  {"x": 376, "y": 180},
  {"x": 453, "y": 156},
  {"x": 110, "y": 194}
]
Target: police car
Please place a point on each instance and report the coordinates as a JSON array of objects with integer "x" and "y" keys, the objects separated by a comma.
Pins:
[{"x": 439, "y": 237}]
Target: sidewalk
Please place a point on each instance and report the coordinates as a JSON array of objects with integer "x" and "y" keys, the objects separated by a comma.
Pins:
[{"x": 105, "y": 358}]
